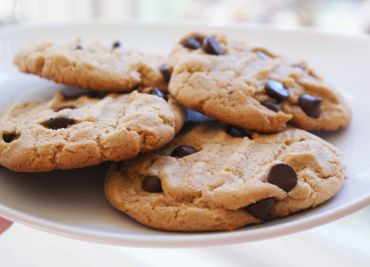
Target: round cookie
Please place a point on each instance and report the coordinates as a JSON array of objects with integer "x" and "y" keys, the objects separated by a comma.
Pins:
[
  {"x": 85, "y": 129},
  {"x": 251, "y": 87},
  {"x": 93, "y": 66},
  {"x": 208, "y": 180}
]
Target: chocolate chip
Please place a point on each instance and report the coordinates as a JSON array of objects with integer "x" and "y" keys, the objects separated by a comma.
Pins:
[
  {"x": 10, "y": 137},
  {"x": 283, "y": 176},
  {"x": 157, "y": 92},
  {"x": 193, "y": 116},
  {"x": 64, "y": 107},
  {"x": 78, "y": 47},
  {"x": 192, "y": 43},
  {"x": 310, "y": 105},
  {"x": 262, "y": 55},
  {"x": 271, "y": 104},
  {"x": 166, "y": 72},
  {"x": 152, "y": 184},
  {"x": 116, "y": 44},
  {"x": 261, "y": 209},
  {"x": 238, "y": 132},
  {"x": 212, "y": 46},
  {"x": 183, "y": 151},
  {"x": 277, "y": 90},
  {"x": 59, "y": 123}
]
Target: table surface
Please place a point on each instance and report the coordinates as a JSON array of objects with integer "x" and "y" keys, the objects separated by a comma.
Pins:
[{"x": 344, "y": 242}]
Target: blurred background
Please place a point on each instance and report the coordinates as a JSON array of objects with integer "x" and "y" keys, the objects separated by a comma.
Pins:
[{"x": 349, "y": 16}]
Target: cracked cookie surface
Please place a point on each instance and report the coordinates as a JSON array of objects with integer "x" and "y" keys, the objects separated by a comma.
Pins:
[
  {"x": 77, "y": 131},
  {"x": 209, "y": 180},
  {"x": 251, "y": 87},
  {"x": 93, "y": 66}
]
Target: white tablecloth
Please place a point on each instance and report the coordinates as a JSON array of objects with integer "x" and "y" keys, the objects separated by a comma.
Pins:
[{"x": 345, "y": 242}]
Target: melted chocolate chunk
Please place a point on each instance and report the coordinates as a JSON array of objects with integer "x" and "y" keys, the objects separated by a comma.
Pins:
[
  {"x": 283, "y": 176},
  {"x": 193, "y": 116},
  {"x": 238, "y": 132},
  {"x": 183, "y": 151},
  {"x": 271, "y": 104},
  {"x": 261, "y": 209},
  {"x": 152, "y": 184},
  {"x": 310, "y": 105},
  {"x": 116, "y": 44},
  {"x": 59, "y": 123},
  {"x": 192, "y": 43},
  {"x": 166, "y": 72},
  {"x": 276, "y": 90},
  {"x": 212, "y": 46},
  {"x": 10, "y": 137}
]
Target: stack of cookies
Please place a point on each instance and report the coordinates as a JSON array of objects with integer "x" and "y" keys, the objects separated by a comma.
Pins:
[{"x": 203, "y": 139}]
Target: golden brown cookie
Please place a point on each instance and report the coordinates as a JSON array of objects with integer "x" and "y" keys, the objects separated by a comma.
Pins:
[
  {"x": 212, "y": 178},
  {"x": 92, "y": 66},
  {"x": 252, "y": 88},
  {"x": 85, "y": 129}
]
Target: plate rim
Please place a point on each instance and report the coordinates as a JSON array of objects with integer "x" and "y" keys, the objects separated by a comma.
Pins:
[
  {"x": 182, "y": 241},
  {"x": 191, "y": 239}
]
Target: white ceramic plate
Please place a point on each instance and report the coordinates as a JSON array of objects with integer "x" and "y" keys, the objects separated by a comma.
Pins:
[{"x": 72, "y": 203}]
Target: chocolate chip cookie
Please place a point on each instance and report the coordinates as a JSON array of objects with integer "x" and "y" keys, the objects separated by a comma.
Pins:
[
  {"x": 83, "y": 129},
  {"x": 212, "y": 177},
  {"x": 251, "y": 87},
  {"x": 93, "y": 66}
]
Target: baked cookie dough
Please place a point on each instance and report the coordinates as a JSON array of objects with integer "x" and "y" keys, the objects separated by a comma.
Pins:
[
  {"x": 93, "y": 66},
  {"x": 178, "y": 110},
  {"x": 212, "y": 177},
  {"x": 74, "y": 131},
  {"x": 252, "y": 88}
]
